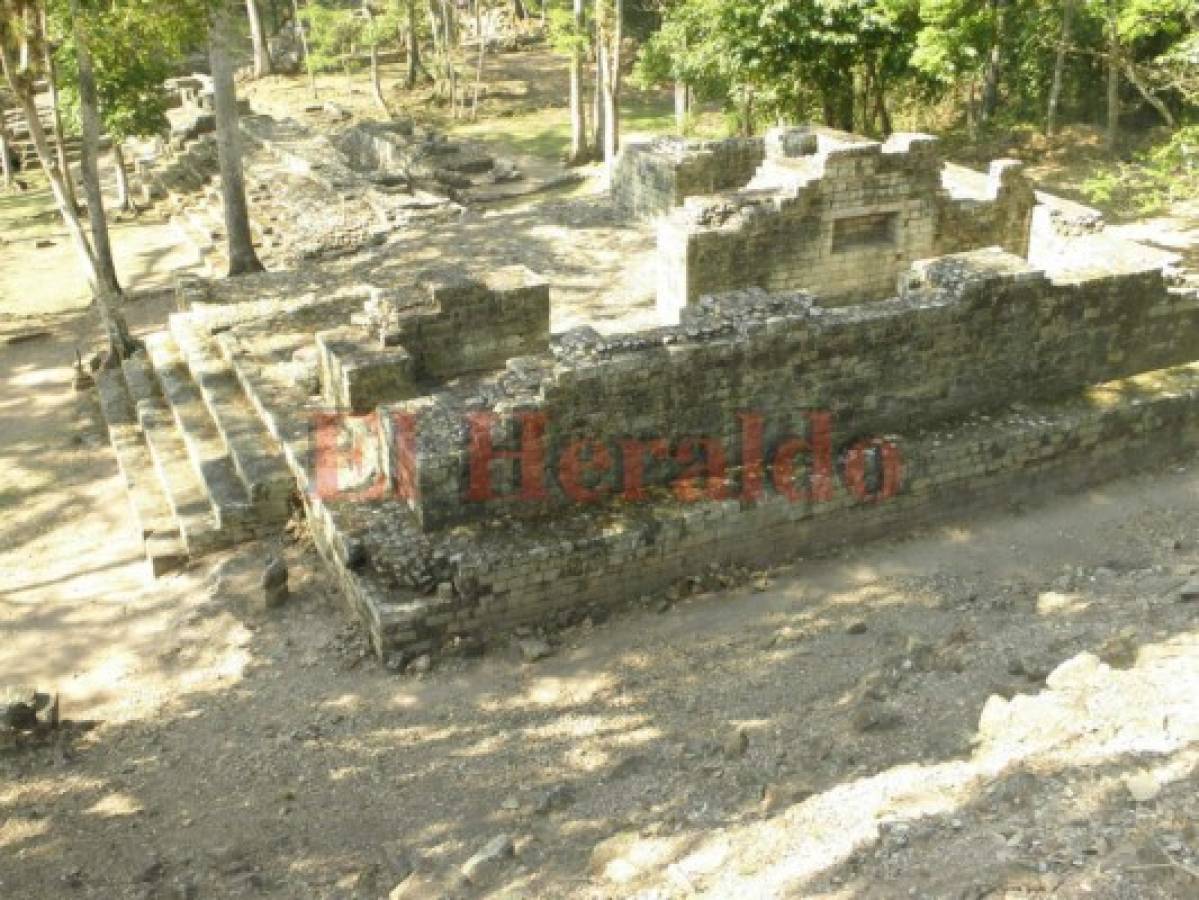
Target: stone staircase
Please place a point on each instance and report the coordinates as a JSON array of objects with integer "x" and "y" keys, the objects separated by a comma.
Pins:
[{"x": 202, "y": 472}]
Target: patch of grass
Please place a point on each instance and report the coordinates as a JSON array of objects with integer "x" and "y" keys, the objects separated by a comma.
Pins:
[
  {"x": 545, "y": 133},
  {"x": 30, "y": 214}
]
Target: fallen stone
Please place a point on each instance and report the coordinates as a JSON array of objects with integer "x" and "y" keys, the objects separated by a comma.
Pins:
[
  {"x": 20, "y": 705},
  {"x": 777, "y": 796},
  {"x": 1120, "y": 650},
  {"x": 1142, "y": 787},
  {"x": 858, "y": 627},
  {"x": 335, "y": 111},
  {"x": 274, "y": 583},
  {"x": 489, "y": 860},
  {"x": 735, "y": 744},
  {"x": 1190, "y": 590},
  {"x": 533, "y": 649},
  {"x": 556, "y": 798},
  {"x": 874, "y": 715},
  {"x": 422, "y": 665}
]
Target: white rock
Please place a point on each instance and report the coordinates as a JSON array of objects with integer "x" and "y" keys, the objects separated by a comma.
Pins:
[
  {"x": 1142, "y": 787},
  {"x": 488, "y": 860}
]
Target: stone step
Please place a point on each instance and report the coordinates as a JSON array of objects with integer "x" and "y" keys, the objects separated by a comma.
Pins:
[
  {"x": 255, "y": 454},
  {"x": 185, "y": 493},
  {"x": 165, "y": 550},
  {"x": 205, "y": 446},
  {"x": 209, "y": 253}
]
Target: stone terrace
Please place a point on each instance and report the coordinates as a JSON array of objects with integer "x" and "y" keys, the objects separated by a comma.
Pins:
[{"x": 984, "y": 376}]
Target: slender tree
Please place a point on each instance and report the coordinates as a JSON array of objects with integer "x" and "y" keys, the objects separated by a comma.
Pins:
[
  {"x": 60, "y": 142},
  {"x": 609, "y": 36},
  {"x": 302, "y": 32},
  {"x": 579, "y": 152},
  {"x": 412, "y": 42},
  {"x": 1059, "y": 66},
  {"x": 20, "y": 46},
  {"x": 242, "y": 257},
  {"x": 1113, "y": 73},
  {"x": 89, "y": 119},
  {"x": 262, "y": 50},
  {"x": 6, "y": 163}
]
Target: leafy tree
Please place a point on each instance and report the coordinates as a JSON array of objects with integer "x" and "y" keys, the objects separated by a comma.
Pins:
[
  {"x": 135, "y": 45},
  {"x": 22, "y": 60}
]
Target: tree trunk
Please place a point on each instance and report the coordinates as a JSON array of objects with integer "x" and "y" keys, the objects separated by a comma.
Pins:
[
  {"x": 438, "y": 35},
  {"x": 262, "y": 50},
  {"x": 376, "y": 80},
  {"x": 597, "y": 94},
  {"x": 302, "y": 32},
  {"x": 121, "y": 169},
  {"x": 578, "y": 110},
  {"x": 1113, "y": 74},
  {"x": 413, "y": 46},
  {"x": 1152, "y": 99},
  {"x": 448, "y": 44},
  {"x": 608, "y": 31},
  {"x": 60, "y": 143},
  {"x": 682, "y": 105},
  {"x": 883, "y": 112},
  {"x": 89, "y": 126},
  {"x": 994, "y": 69},
  {"x": 6, "y": 164},
  {"x": 612, "y": 89},
  {"x": 242, "y": 258},
  {"x": 1059, "y": 67},
  {"x": 377, "y": 83},
  {"x": 474, "y": 111},
  {"x": 116, "y": 331}
]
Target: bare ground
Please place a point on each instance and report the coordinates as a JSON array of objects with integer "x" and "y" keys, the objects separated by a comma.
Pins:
[{"x": 218, "y": 750}]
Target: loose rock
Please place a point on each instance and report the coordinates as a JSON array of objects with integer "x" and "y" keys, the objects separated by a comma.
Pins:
[
  {"x": 557, "y": 797},
  {"x": 489, "y": 860},
  {"x": 533, "y": 649},
  {"x": 274, "y": 583},
  {"x": 735, "y": 744}
]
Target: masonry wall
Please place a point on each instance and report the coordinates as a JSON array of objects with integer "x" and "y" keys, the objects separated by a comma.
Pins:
[
  {"x": 844, "y": 223},
  {"x": 973, "y": 332},
  {"x": 448, "y": 325},
  {"x": 654, "y": 177},
  {"x": 481, "y": 582}
]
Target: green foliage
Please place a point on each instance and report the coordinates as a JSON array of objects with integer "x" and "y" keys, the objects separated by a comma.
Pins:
[
  {"x": 335, "y": 33},
  {"x": 136, "y": 45},
  {"x": 1153, "y": 180},
  {"x": 823, "y": 58},
  {"x": 564, "y": 37}
]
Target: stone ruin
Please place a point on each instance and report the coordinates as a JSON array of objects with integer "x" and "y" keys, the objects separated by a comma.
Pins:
[
  {"x": 857, "y": 340},
  {"x": 315, "y": 196}
]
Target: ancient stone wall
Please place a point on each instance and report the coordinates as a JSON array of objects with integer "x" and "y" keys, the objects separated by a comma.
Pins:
[
  {"x": 837, "y": 215},
  {"x": 655, "y": 176},
  {"x": 417, "y": 592},
  {"x": 445, "y": 326},
  {"x": 972, "y": 332}
]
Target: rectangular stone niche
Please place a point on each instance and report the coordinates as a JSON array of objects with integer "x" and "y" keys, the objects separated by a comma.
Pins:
[{"x": 873, "y": 230}]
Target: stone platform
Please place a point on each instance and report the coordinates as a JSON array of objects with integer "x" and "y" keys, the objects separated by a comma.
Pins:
[{"x": 466, "y": 468}]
